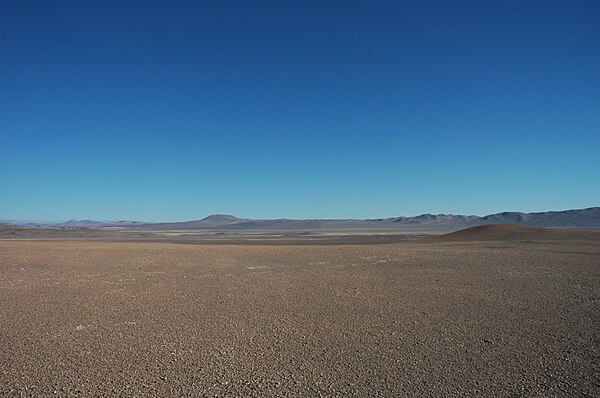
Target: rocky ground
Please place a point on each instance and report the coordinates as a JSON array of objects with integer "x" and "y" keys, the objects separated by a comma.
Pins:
[{"x": 407, "y": 319}]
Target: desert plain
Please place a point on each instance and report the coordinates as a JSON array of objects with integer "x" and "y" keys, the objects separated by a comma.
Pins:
[{"x": 490, "y": 314}]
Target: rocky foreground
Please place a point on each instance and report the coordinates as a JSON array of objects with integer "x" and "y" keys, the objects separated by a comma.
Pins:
[{"x": 420, "y": 319}]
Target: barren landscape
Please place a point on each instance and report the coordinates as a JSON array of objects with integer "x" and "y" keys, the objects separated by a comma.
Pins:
[
  {"x": 502, "y": 311},
  {"x": 299, "y": 199}
]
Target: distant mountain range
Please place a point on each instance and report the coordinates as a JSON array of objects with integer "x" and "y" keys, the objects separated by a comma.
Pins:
[
  {"x": 73, "y": 223},
  {"x": 91, "y": 223},
  {"x": 582, "y": 218}
]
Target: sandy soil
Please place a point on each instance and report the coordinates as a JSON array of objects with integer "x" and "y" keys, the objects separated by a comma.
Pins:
[{"x": 417, "y": 319}]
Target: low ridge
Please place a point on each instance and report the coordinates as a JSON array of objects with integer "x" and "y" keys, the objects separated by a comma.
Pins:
[{"x": 513, "y": 232}]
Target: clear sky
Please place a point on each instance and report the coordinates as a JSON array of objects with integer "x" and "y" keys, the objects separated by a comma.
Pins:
[{"x": 174, "y": 110}]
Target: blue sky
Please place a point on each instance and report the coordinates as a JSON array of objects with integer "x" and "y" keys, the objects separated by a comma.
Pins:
[{"x": 174, "y": 110}]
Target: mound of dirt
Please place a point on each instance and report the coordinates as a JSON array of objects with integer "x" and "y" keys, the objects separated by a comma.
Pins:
[{"x": 514, "y": 232}]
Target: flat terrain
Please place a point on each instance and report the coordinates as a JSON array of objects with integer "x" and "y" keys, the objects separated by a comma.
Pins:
[
  {"x": 80, "y": 318},
  {"x": 216, "y": 237}
]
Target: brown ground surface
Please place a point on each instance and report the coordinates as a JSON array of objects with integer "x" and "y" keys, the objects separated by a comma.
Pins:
[{"x": 416, "y": 319}]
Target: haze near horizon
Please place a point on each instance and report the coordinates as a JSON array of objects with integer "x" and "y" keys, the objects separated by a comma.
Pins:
[{"x": 158, "y": 112}]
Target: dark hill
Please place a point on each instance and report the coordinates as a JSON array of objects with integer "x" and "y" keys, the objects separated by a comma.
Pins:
[
  {"x": 513, "y": 232},
  {"x": 221, "y": 218}
]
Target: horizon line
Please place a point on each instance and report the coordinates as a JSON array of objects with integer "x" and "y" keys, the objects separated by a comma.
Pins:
[{"x": 86, "y": 219}]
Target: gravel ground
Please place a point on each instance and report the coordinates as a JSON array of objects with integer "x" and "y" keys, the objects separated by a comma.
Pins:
[{"x": 157, "y": 319}]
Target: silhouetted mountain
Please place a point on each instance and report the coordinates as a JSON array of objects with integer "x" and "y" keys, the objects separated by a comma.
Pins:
[
  {"x": 581, "y": 218},
  {"x": 221, "y": 219},
  {"x": 212, "y": 221},
  {"x": 30, "y": 223},
  {"x": 569, "y": 218},
  {"x": 81, "y": 223}
]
